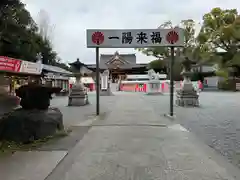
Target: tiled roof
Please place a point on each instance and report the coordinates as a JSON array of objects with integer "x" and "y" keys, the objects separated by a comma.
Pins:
[
  {"x": 56, "y": 69},
  {"x": 130, "y": 59},
  {"x": 129, "y": 66},
  {"x": 86, "y": 70}
]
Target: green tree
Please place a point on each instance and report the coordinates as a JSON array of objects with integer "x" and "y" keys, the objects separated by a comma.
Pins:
[
  {"x": 61, "y": 64},
  {"x": 189, "y": 44},
  {"x": 46, "y": 33},
  {"x": 20, "y": 36},
  {"x": 221, "y": 31},
  {"x": 164, "y": 52},
  {"x": 16, "y": 30},
  {"x": 158, "y": 65}
]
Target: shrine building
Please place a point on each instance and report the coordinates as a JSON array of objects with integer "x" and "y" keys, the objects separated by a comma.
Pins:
[{"x": 119, "y": 65}]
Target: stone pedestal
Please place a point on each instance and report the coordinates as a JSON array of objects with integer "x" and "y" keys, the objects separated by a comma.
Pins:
[
  {"x": 78, "y": 95},
  {"x": 154, "y": 87},
  {"x": 34, "y": 120},
  {"x": 25, "y": 126},
  {"x": 105, "y": 84},
  {"x": 106, "y": 92},
  {"x": 187, "y": 95},
  {"x": 154, "y": 84}
]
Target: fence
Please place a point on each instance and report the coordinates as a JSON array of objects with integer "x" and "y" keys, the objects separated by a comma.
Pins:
[{"x": 164, "y": 86}]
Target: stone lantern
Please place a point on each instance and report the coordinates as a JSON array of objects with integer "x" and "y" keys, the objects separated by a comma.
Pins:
[
  {"x": 187, "y": 95},
  {"x": 78, "y": 94}
]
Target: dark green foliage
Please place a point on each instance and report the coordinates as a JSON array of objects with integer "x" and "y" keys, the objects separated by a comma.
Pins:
[
  {"x": 158, "y": 65},
  {"x": 199, "y": 76},
  {"x": 227, "y": 85},
  {"x": 19, "y": 34},
  {"x": 7, "y": 103},
  {"x": 62, "y": 65},
  {"x": 220, "y": 31},
  {"x": 161, "y": 66}
]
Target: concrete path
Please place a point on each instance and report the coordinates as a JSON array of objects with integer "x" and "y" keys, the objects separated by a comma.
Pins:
[
  {"x": 215, "y": 122},
  {"x": 37, "y": 165},
  {"x": 136, "y": 143},
  {"x": 29, "y": 165},
  {"x": 132, "y": 141},
  {"x": 75, "y": 116}
]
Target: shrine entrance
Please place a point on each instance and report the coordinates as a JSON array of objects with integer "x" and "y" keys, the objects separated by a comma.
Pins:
[
  {"x": 116, "y": 74},
  {"x": 134, "y": 38}
]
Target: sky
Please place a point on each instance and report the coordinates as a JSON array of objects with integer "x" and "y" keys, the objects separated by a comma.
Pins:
[{"x": 69, "y": 19}]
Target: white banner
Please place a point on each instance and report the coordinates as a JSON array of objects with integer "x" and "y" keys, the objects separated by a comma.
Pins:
[
  {"x": 30, "y": 67},
  {"x": 104, "y": 82},
  {"x": 134, "y": 38},
  {"x": 54, "y": 76}
]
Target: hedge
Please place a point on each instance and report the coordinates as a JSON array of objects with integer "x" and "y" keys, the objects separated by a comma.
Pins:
[{"x": 227, "y": 85}]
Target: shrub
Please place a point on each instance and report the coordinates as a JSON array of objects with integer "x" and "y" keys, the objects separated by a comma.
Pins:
[
  {"x": 199, "y": 76},
  {"x": 227, "y": 85},
  {"x": 222, "y": 73}
]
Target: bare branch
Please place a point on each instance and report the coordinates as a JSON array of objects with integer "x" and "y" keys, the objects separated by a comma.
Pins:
[{"x": 45, "y": 27}]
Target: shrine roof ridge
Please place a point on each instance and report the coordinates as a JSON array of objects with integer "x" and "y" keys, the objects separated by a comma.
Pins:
[{"x": 120, "y": 54}]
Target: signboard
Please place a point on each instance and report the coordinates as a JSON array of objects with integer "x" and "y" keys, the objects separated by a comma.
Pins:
[
  {"x": 9, "y": 64},
  {"x": 55, "y": 77},
  {"x": 30, "y": 67},
  {"x": 104, "y": 80},
  {"x": 49, "y": 76},
  {"x": 134, "y": 38}
]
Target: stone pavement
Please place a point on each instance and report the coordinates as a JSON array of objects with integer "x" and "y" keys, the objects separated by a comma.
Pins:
[
  {"x": 134, "y": 142},
  {"x": 39, "y": 164},
  {"x": 131, "y": 141},
  {"x": 75, "y": 116},
  {"x": 216, "y": 122},
  {"x": 35, "y": 165}
]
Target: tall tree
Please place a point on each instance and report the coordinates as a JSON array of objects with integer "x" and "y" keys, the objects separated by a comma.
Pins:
[
  {"x": 16, "y": 30},
  {"x": 46, "y": 29},
  {"x": 46, "y": 35},
  {"x": 189, "y": 44},
  {"x": 158, "y": 65},
  {"x": 221, "y": 32},
  {"x": 163, "y": 53},
  {"x": 61, "y": 64},
  {"x": 20, "y": 36}
]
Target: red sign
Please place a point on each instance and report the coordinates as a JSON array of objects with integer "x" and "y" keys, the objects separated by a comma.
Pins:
[
  {"x": 172, "y": 37},
  {"x": 98, "y": 38},
  {"x": 9, "y": 64}
]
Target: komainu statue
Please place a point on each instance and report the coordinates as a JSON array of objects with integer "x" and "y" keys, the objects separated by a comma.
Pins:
[{"x": 34, "y": 119}]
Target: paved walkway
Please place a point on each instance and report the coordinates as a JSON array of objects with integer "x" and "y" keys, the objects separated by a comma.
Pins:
[
  {"x": 135, "y": 143},
  {"x": 75, "y": 116},
  {"x": 216, "y": 122}
]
